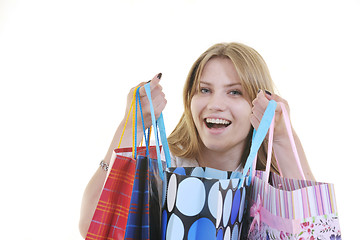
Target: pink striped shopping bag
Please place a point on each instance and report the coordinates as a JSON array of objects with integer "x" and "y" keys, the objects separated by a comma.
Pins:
[{"x": 289, "y": 208}]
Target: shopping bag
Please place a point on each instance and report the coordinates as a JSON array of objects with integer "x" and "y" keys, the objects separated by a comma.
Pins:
[
  {"x": 110, "y": 219},
  {"x": 284, "y": 208},
  {"x": 145, "y": 207},
  {"x": 202, "y": 203},
  {"x": 206, "y": 203}
]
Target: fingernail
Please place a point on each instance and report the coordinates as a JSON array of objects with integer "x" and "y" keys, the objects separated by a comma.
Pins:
[
  {"x": 267, "y": 92},
  {"x": 159, "y": 75}
]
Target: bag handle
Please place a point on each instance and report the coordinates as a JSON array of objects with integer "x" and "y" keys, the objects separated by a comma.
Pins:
[
  {"x": 131, "y": 110},
  {"x": 292, "y": 143},
  {"x": 147, "y": 139},
  {"x": 291, "y": 138},
  {"x": 158, "y": 125},
  {"x": 270, "y": 144},
  {"x": 259, "y": 137}
]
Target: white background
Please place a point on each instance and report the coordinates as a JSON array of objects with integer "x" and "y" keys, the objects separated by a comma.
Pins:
[{"x": 66, "y": 68}]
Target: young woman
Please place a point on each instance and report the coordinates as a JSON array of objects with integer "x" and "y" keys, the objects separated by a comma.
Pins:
[{"x": 225, "y": 95}]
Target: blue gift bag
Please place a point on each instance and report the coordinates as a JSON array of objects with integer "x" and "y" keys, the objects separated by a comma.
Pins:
[{"x": 202, "y": 203}]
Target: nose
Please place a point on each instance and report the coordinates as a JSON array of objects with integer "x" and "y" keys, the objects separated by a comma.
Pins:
[{"x": 216, "y": 102}]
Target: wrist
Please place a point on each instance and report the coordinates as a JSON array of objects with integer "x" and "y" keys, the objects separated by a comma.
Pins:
[
  {"x": 104, "y": 166},
  {"x": 281, "y": 136}
]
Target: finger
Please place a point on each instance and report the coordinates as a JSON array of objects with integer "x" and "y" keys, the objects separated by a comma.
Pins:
[
  {"x": 275, "y": 97},
  {"x": 261, "y": 98},
  {"x": 158, "y": 98},
  {"x": 260, "y": 102},
  {"x": 269, "y": 96},
  {"x": 155, "y": 88},
  {"x": 258, "y": 113},
  {"x": 254, "y": 121},
  {"x": 159, "y": 107},
  {"x": 155, "y": 81},
  {"x": 142, "y": 91},
  {"x": 279, "y": 99}
]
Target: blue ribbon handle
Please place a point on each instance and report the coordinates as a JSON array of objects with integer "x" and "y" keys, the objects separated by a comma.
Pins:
[
  {"x": 159, "y": 125},
  {"x": 258, "y": 138}
]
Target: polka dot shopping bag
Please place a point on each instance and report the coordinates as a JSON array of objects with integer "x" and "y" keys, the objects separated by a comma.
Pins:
[{"x": 205, "y": 203}]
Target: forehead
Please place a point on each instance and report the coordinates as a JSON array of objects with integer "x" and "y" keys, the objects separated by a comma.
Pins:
[{"x": 220, "y": 70}]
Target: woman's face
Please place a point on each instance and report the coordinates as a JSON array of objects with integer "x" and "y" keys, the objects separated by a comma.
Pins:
[{"x": 220, "y": 108}]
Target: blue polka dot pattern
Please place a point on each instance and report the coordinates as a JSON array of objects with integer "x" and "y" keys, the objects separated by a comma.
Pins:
[
  {"x": 171, "y": 192},
  {"x": 198, "y": 172},
  {"x": 235, "y": 206},
  {"x": 242, "y": 204},
  {"x": 190, "y": 198},
  {"x": 227, "y": 207},
  {"x": 175, "y": 228},
  {"x": 180, "y": 171},
  {"x": 235, "y": 232},
  {"x": 202, "y": 229},
  {"x": 203, "y": 203},
  {"x": 213, "y": 199},
  {"x": 220, "y": 234}
]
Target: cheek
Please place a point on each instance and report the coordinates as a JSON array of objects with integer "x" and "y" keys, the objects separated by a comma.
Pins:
[
  {"x": 194, "y": 112},
  {"x": 195, "y": 107},
  {"x": 243, "y": 113}
]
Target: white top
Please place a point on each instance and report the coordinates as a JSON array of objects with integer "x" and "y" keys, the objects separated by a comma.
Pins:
[
  {"x": 178, "y": 161},
  {"x": 185, "y": 162}
]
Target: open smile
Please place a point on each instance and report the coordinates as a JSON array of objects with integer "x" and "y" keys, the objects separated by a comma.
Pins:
[{"x": 216, "y": 123}]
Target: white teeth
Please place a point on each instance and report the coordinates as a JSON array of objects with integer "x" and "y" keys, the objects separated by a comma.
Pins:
[{"x": 217, "y": 121}]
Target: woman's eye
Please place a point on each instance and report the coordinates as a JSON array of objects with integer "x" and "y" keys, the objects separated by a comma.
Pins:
[
  {"x": 204, "y": 90},
  {"x": 235, "y": 92}
]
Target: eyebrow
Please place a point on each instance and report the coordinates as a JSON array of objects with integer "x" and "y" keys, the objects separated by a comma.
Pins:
[{"x": 228, "y": 85}]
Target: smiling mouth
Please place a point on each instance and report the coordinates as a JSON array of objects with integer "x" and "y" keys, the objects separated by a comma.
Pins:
[{"x": 216, "y": 123}]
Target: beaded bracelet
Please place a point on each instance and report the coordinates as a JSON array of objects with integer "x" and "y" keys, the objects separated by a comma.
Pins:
[{"x": 104, "y": 165}]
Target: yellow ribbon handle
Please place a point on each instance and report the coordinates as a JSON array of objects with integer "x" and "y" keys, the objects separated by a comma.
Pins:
[{"x": 132, "y": 109}]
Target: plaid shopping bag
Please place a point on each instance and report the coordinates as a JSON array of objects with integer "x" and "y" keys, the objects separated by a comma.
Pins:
[
  {"x": 287, "y": 208},
  {"x": 205, "y": 203},
  {"x": 111, "y": 214}
]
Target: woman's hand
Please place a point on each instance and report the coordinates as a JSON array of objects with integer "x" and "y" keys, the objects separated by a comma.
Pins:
[
  {"x": 259, "y": 106},
  {"x": 93, "y": 190},
  {"x": 281, "y": 147},
  {"x": 158, "y": 100}
]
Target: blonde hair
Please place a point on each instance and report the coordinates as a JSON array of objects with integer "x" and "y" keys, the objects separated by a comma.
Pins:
[{"x": 184, "y": 141}]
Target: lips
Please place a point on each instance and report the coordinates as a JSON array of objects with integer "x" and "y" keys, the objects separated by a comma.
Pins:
[{"x": 216, "y": 123}]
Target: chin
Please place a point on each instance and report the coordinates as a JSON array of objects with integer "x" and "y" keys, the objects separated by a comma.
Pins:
[{"x": 216, "y": 147}]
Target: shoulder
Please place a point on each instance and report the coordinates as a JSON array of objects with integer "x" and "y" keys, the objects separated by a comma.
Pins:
[
  {"x": 179, "y": 161},
  {"x": 183, "y": 162}
]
